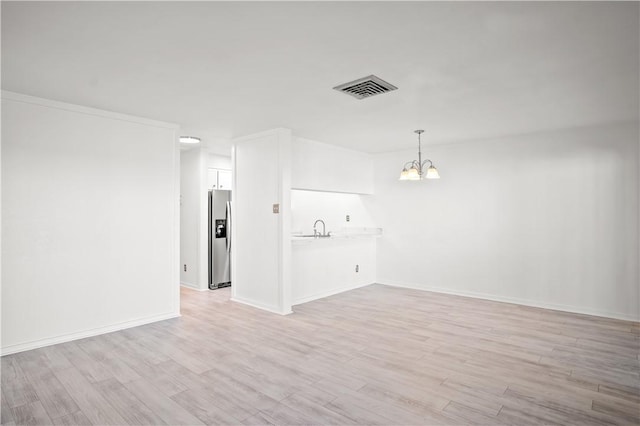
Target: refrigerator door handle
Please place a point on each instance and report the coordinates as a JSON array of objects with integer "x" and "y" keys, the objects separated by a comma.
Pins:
[
  {"x": 228, "y": 222},
  {"x": 210, "y": 226}
]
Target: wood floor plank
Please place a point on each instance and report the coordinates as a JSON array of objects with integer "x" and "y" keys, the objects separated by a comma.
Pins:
[
  {"x": 361, "y": 415},
  {"x": 466, "y": 414},
  {"x": 73, "y": 419},
  {"x": 55, "y": 358},
  {"x": 37, "y": 367},
  {"x": 276, "y": 388},
  {"x": 314, "y": 394},
  {"x": 92, "y": 370},
  {"x": 108, "y": 355},
  {"x": 420, "y": 404},
  {"x": 474, "y": 398},
  {"x": 515, "y": 415},
  {"x": 203, "y": 405},
  {"x": 218, "y": 393},
  {"x": 54, "y": 397},
  {"x": 629, "y": 412},
  {"x": 161, "y": 405},
  {"x": 144, "y": 367},
  {"x": 16, "y": 389},
  {"x": 283, "y": 414},
  {"x": 134, "y": 411},
  {"x": 385, "y": 411},
  {"x": 31, "y": 414},
  {"x": 6, "y": 415},
  {"x": 172, "y": 349},
  {"x": 556, "y": 411},
  {"x": 94, "y": 406},
  {"x": 619, "y": 392},
  {"x": 312, "y": 409},
  {"x": 259, "y": 419},
  {"x": 226, "y": 380}
]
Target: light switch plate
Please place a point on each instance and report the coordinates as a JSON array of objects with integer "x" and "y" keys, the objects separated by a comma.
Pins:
[{"x": 276, "y": 208}]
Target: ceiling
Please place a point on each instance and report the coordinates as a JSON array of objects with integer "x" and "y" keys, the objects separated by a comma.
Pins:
[{"x": 225, "y": 69}]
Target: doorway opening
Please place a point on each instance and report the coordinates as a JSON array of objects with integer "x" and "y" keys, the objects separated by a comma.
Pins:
[{"x": 219, "y": 239}]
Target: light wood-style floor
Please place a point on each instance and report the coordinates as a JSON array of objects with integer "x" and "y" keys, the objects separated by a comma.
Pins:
[{"x": 376, "y": 355}]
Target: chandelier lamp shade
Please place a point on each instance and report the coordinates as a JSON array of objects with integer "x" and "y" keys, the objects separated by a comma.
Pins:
[{"x": 414, "y": 170}]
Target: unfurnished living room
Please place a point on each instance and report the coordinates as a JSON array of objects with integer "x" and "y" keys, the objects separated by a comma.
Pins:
[{"x": 313, "y": 213}]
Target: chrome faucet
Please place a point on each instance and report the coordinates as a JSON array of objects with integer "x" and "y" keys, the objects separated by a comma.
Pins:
[{"x": 316, "y": 233}]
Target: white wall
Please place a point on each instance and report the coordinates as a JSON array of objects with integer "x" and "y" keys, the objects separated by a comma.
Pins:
[
  {"x": 215, "y": 161},
  {"x": 90, "y": 219},
  {"x": 548, "y": 219},
  {"x": 191, "y": 169},
  {"x": 261, "y": 252},
  {"x": 323, "y": 167}
]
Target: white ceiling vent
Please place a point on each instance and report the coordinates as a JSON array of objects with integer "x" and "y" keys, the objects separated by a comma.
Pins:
[{"x": 366, "y": 87}]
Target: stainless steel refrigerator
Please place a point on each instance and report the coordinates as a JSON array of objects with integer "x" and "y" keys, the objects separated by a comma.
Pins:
[{"x": 219, "y": 239}]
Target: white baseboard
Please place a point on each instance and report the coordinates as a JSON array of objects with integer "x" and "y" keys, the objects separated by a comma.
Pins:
[
  {"x": 254, "y": 304},
  {"x": 327, "y": 293},
  {"x": 63, "y": 338},
  {"x": 192, "y": 286},
  {"x": 516, "y": 301}
]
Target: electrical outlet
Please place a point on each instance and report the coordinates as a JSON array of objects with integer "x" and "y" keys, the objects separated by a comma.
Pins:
[
  {"x": 348, "y": 218},
  {"x": 276, "y": 208},
  {"x": 357, "y": 268},
  {"x": 185, "y": 267}
]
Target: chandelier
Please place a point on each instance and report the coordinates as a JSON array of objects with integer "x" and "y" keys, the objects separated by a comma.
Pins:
[{"x": 413, "y": 170}]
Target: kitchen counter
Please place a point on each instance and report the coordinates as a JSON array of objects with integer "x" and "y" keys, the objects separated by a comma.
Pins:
[{"x": 345, "y": 233}]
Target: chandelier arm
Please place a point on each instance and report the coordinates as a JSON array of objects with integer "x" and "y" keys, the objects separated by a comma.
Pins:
[{"x": 425, "y": 162}]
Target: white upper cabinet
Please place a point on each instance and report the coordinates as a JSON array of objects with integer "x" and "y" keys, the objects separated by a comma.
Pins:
[
  {"x": 219, "y": 179},
  {"x": 212, "y": 179},
  {"x": 224, "y": 179},
  {"x": 322, "y": 167}
]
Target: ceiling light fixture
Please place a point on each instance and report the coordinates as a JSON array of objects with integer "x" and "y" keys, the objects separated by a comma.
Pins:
[
  {"x": 412, "y": 170},
  {"x": 189, "y": 139}
]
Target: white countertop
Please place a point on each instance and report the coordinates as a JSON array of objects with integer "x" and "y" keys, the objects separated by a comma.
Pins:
[{"x": 345, "y": 233}]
